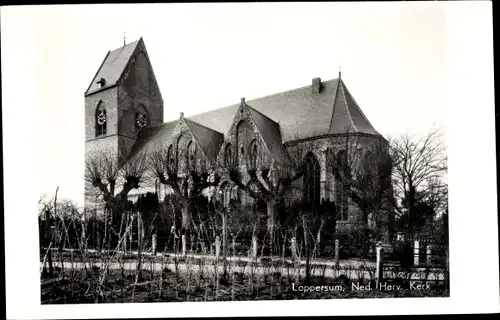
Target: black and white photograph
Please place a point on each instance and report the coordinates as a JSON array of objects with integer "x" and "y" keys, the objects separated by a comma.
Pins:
[{"x": 231, "y": 158}]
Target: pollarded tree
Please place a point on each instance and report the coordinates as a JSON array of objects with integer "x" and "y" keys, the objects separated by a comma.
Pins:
[
  {"x": 263, "y": 179},
  {"x": 187, "y": 185},
  {"x": 104, "y": 170}
]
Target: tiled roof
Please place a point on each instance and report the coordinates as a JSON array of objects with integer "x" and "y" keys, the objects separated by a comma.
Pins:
[
  {"x": 347, "y": 116},
  {"x": 210, "y": 140},
  {"x": 296, "y": 114},
  {"x": 151, "y": 138},
  {"x": 300, "y": 113},
  {"x": 270, "y": 132},
  {"x": 112, "y": 67}
]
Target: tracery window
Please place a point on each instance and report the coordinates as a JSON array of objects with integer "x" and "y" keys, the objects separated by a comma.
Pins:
[
  {"x": 253, "y": 153},
  {"x": 171, "y": 158},
  {"x": 341, "y": 194},
  {"x": 100, "y": 120},
  {"x": 228, "y": 156},
  {"x": 311, "y": 178}
]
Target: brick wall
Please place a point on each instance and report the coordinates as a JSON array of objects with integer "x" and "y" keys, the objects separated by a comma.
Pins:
[{"x": 108, "y": 98}]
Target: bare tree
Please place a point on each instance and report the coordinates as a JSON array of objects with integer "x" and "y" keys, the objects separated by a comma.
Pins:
[
  {"x": 186, "y": 186},
  {"x": 267, "y": 181},
  {"x": 419, "y": 163},
  {"x": 362, "y": 164},
  {"x": 104, "y": 170}
]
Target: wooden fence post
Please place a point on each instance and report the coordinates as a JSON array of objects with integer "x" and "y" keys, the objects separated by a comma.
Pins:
[
  {"x": 447, "y": 269},
  {"x": 217, "y": 247},
  {"x": 416, "y": 253},
  {"x": 429, "y": 255},
  {"x": 224, "y": 234},
  {"x": 183, "y": 245},
  {"x": 139, "y": 233},
  {"x": 254, "y": 248},
  {"x": 294, "y": 249},
  {"x": 379, "y": 273},
  {"x": 337, "y": 252},
  {"x": 153, "y": 242}
]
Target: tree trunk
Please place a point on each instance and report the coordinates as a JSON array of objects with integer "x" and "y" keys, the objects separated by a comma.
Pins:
[
  {"x": 186, "y": 219},
  {"x": 224, "y": 241},
  {"x": 306, "y": 247},
  {"x": 49, "y": 253},
  {"x": 271, "y": 215}
]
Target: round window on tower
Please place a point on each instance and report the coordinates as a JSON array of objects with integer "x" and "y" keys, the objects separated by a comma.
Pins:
[{"x": 141, "y": 120}]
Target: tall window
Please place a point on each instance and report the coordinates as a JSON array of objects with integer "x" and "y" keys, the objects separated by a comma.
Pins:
[
  {"x": 243, "y": 132},
  {"x": 170, "y": 157},
  {"x": 312, "y": 181},
  {"x": 228, "y": 156},
  {"x": 341, "y": 194},
  {"x": 100, "y": 120},
  {"x": 367, "y": 164},
  {"x": 189, "y": 164},
  {"x": 177, "y": 153},
  {"x": 253, "y": 153}
]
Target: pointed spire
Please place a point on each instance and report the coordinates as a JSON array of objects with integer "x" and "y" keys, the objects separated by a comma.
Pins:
[
  {"x": 124, "y": 39},
  {"x": 340, "y": 72}
]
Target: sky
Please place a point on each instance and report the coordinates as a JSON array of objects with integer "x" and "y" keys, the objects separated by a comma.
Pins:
[{"x": 392, "y": 57}]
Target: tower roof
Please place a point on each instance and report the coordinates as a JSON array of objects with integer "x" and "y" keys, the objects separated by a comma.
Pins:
[
  {"x": 112, "y": 67},
  {"x": 347, "y": 115}
]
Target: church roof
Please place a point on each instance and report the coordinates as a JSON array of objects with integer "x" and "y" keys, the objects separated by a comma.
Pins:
[
  {"x": 209, "y": 140},
  {"x": 112, "y": 67},
  {"x": 152, "y": 137},
  {"x": 347, "y": 115},
  {"x": 270, "y": 132},
  {"x": 300, "y": 113}
]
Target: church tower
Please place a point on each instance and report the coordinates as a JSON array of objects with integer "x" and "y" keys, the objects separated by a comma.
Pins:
[{"x": 122, "y": 99}]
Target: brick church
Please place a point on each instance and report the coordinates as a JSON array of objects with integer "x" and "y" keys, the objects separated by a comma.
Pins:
[{"x": 124, "y": 113}]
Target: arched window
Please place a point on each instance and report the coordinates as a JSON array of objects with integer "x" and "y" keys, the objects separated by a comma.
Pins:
[
  {"x": 192, "y": 156},
  {"x": 178, "y": 154},
  {"x": 311, "y": 184},
  {"x": 141, "y": 118},
  {"x": 228, "y": 156},
  {"x": 367, "y": 163},
  {"x": 100, "y": 120},
  {"x": 341, "y": 193},
  {"x": 170, "y": 158},
  {"x": 243, "y": 132},
  {"x": 253, "y": 153},
  {"x": 188, "y": 156}
]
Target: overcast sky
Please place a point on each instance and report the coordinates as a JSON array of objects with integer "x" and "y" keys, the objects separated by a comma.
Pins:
[{"x": 393, "y": 58}]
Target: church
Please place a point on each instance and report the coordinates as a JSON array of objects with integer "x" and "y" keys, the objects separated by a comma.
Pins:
[{"x": 124, "y": 113}]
